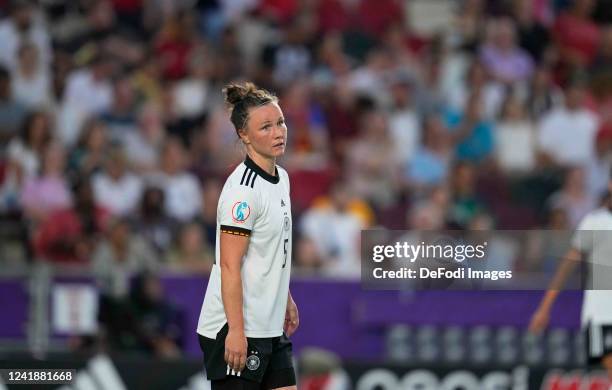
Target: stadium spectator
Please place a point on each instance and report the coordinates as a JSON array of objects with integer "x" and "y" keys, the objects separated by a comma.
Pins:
[
  {"x": 374, "y": 16},
  {"x": 566, "y": 134},
  {"x": 159, "y": 322},
  {"x": 465, "y": 203},
  {"x": 173, "y": 44},
  {"x": 23, "y": 25},
  {"x": 429, "y": 165},
  {"x": 503, "y": 59},
  {"x": 191, "y": 252},
  {"x": 120, "y": 118},
  {"x": 369, "y": 79},
  {"x": 403, "y": 119},
  {"x": 515, "y": 138},
  {"x": 69, "y": 235},
  {"x": 24, "y": 154},
  {"x": 342, "y": 112},
  {"x": 573, "y": 197},
  {"x": 576, "y": 35},
  {"x": 533, "y": 36},
  {"x": 471, "y": 131},
  {"x": 115, "y": 188},
  {"x": 468, "y": 23},
  {"x": 144, "y": 145},
  {"x": 89, "y": 153},
  {"x": 47, "y": 192},
  {"x": 431, "y": 212},
  {"x": 152, "y": 221},
  {"x": 330, "y": 236},
  {"x": 291, "y": 58},
  {"x": 190, "y": 94},
  {"x": 122, "y": 254},
  {"x": 11, "y": 111},
  {"x": 543, "y": 95},
  {"x": 88, "y": 92},
  {"x": 182, "y": 189},
  {"x": 142, "y": 322},
  {"x": 491, "y": 94},
  {"x": 374, "y": 170},
  {"x": 308, "y": 139},
  {"x": 31, "y": 80}
]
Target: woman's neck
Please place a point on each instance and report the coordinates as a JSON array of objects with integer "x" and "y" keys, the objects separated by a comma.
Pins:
[{"x": 267, "y": 164}]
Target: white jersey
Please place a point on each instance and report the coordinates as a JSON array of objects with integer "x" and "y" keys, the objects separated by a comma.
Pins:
[
  {"x": 594, "y": 238},
  {"x": 256, "y": 204}
]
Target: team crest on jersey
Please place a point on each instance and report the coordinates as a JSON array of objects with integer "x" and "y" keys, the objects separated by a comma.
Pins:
[
  {"x": 240, "y": 212},
  {"x": 252, "y": 363}
]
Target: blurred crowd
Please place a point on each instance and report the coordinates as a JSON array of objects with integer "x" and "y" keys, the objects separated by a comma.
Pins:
[{"x": 418, "y": 114}]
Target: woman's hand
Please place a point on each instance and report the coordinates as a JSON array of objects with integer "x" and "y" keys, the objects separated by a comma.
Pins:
[
  {"x": 292, "y": 317},
  {"x": 539, "y": 320},
  {"x": 236, "y": 350}
]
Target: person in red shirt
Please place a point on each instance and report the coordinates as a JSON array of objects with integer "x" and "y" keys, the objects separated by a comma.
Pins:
[
  {"x": 68, "y": 235},
  {"x": 375, "y": 15},
  {"x": 173, "y": 46},
  {"x": 576, "y": 35}
]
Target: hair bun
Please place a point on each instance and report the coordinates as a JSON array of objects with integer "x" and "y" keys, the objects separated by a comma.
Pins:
[{"x": 235, "y": 93}]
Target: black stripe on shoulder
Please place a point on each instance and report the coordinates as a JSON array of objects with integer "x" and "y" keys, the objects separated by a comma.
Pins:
[
  {"x": 253, "y": 180},
  {"x": 247, "y": 169},
  {"x": 238, "y": 231},
  {"x": 248, "y": 178}
]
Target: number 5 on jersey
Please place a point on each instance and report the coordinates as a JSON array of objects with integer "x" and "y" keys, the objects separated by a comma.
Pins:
[{"x": 285, "y": 250}]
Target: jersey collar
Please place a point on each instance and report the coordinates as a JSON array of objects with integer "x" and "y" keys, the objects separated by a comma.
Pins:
[{"x": 265, "y": 175}]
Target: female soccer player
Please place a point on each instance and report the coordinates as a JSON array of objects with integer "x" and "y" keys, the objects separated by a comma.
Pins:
[
  {"x": 592, "y": 240},
  {"x": 248, "y": 312}
]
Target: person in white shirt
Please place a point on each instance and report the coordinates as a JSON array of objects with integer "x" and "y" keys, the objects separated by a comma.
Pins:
[
  {"x": 248, "y": 312},
  {"x": 515, "y": 146},
  {"x": 181, "y": 188},
  {"x": 23, "y": 25},
  {"x": 592, "y": 240},
  {"x": 117, "y": 189},
  {"x": 566, "y": 135},
  {"x": 335, "y": 232},
  {"x": 31, "y": 83},
  {"x": 88, "y": 92}
]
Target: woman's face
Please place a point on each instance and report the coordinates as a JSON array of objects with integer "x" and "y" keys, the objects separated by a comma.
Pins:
[
  {"x": 38, "y": 130},
  {"x": 97, "y": 138},
  {"x": 266, "y": 131}
]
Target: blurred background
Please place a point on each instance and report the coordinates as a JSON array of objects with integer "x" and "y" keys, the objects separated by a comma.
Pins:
[{"x": 414, "y": 114}]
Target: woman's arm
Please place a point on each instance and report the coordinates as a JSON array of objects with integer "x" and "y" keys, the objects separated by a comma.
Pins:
[
  {"x": 232, "y": 250},
  {"x": 540, "y": 319}
]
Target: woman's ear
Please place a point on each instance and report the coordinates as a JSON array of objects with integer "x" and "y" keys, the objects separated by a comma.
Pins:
[{"x": 244, "y": 136}]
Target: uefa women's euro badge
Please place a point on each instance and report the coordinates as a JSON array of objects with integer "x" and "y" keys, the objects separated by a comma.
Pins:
[{"x": 240, "y": 212}]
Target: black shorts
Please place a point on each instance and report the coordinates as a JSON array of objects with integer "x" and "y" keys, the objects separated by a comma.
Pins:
[
  {"x": 269, "y": 363},
  {"x": 598, "y": 342}
]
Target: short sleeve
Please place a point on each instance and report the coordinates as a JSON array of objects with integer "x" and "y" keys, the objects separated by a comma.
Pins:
[
  {"x": 583, "y": 237},
  {"x": 238, "y": 210}
]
